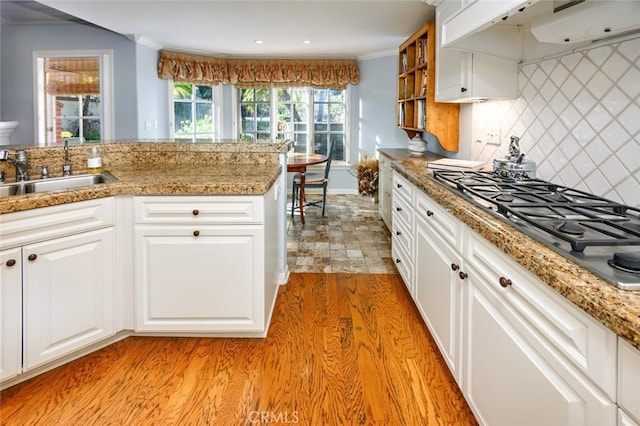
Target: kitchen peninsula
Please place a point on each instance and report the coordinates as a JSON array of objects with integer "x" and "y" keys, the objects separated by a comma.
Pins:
[{"x": 180, "y": 239}]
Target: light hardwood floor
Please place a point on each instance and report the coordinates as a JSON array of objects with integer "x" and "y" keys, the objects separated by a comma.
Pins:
[{"x": 343, "y": 349}]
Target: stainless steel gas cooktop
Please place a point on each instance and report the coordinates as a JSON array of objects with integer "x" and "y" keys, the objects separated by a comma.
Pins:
[{"x": 598, "y": 234}]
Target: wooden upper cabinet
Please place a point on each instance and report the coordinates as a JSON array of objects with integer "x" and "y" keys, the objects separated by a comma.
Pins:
[{"x": 417, "y": 109}]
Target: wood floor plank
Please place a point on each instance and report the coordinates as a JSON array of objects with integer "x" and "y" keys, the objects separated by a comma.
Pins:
[{"x": 343, "y": 349}]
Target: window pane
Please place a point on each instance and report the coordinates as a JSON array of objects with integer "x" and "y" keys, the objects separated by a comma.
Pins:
[
  {"x": 182, "y": 114},
  {"x": 321, "y": 113},
  {"x": 68, "y": 106},
  {"x": 262, "y": 110},
  {"x": 337, "y": 127},
  {"x": 320, "y": 143},
  {"x": 336, "y": 95},
  {"x": 337, "y": 113},
  {"x": 182, "y": 91},
  {"x": 300, "y": 112},
  {"x": 70, "y": 128},
  {"x": 320, "y": 127},
  {"x": 91, "y": 106},
  {"x": 262, "y": 95},
  {"x": 300, "y": 142},
  {"x": 300, "y": 94},
  {"x": 204, "y": 118},
  {"x": 321, "y": 95},
  {"x": 91, "y": 129},
  {"x": 338, "y": 139},
  {"x": 264, "y": 135},
  {"x": 247, "y": 95},
  {"x": 299, "y": 127},
  {"x": 264, "y": 125},
  {"x": 284, "y": 94},
  {"x": 204, "y": 93},
  {"x": 248, "y": 124}
]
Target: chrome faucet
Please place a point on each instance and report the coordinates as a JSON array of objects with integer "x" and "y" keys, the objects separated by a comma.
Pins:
[
  {"x": 66, "y": 167},
  {"x": 20, "y": 162}
]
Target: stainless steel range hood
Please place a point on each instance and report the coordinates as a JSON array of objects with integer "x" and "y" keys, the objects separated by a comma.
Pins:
[{"x": 586, "y": 20}]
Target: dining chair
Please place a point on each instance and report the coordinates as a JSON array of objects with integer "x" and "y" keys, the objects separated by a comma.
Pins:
[{"x": 314, "y": 180}]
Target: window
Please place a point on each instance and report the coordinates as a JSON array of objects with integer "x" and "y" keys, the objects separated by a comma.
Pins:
[
  {"x": 73, "y": 96},
  {"x": 310, "y": 117},
  {"x": 194, "y": 112}
]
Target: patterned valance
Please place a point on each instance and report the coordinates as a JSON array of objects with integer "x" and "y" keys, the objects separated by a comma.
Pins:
[{"x": 246, "y": 73}]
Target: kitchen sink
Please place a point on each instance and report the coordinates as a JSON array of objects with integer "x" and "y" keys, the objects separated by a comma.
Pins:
[{"x": 52, "y": 184}]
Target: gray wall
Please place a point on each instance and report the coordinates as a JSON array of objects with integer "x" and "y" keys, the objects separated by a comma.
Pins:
[
  {"x": 17, "y": 44},
  {"x": 153, "y": 96}
]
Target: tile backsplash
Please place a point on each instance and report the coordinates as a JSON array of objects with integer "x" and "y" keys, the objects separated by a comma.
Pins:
[{"x": 578, "y": 118}]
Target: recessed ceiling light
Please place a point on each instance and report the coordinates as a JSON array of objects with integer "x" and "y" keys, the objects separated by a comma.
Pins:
[
  {"x": 259, "y": 41},
  {"x": 306, "y": 41}
]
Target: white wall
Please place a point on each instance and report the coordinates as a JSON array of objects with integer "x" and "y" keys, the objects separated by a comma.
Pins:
[
  {"x": 578, "y": 118},
  {"x": 152, "y": 95}
]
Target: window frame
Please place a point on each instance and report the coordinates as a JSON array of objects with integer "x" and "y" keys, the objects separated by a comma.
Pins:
[
  {"x": 217, "y": 103},
  {"x": 237, "y": 119}
]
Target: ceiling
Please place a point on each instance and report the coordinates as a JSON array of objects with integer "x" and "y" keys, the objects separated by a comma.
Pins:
[{"x": 338, "y": 29}]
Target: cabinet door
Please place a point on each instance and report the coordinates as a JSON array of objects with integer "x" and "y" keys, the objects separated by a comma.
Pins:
[
  {"x": 10, "y": 313},
  {"x": 69, "y": 292},
  {"x": 384, "y": 190},
  {"x": 204, "y": 280},
  {"x": 437, "y": 291},
  {"x": 510, "y": 382}
]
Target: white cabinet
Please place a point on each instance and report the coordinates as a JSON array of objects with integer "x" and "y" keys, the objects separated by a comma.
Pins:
[
  {"x": 438, "y": 287},
  {"x": 402, "y": 230},
  {"x": 385, "y": 182},
  {"x": 463, "y": 76},
  {"x": 520, "y": 353},
  {"x": 69, "y": 295},
  {"x": 10, "y": 312},
  {"x": 205, "y": 264},
  {"x": 628, "y": 382},
  {"x": 58, "y": 290}
]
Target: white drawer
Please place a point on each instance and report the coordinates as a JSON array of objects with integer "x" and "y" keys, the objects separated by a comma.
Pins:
[
  {"x": 402, "y": 188},
  {"x": 555, "y": 323},
  {"x": 45, "y": 223},
  {"x": 440, "y": 220},
  {"x": 628, "y": 379},
  {"x": 402, "y": 211},
  {"x": 199, "y": 209},
  {"x": 404, "y": 264},
  {"x": 400, "y": 235}
]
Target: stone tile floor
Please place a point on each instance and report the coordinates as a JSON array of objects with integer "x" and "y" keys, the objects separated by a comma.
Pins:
[{"x": 351, "y": 238}]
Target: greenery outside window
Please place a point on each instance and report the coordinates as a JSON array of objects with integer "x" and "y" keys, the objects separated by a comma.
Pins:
[
  {"x": 193, "y": 112},
  {"x": 308, "y": 116}
]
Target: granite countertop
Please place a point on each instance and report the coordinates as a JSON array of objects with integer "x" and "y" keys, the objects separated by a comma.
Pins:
[
  {"x": 619, "y": 310},
  {"x": 216, "y": 179}
]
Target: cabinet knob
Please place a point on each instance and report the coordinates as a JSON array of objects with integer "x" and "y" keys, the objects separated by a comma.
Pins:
[
  {"x": 463, "y": 89},
  {"x": 462, "y": 275},
  {"x": 196, "y": 233},
  {"x": 398, "y": 233},
  {"x": 429, "y": 213},
  {"x": 11, "y": 262},
  {"x": 32, "y": 257},
  {"x": 398, "y": 209},
  {"x": 398, "y": 185},
  {"x": 454, "y": 267},
  {"x": 397, "y": 260},
  {"x": 196, "y": 212},
  {"x": 505, "y": 282}
]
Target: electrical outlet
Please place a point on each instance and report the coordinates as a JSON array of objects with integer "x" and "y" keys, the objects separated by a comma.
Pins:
[{"x": 492, "y": 136}]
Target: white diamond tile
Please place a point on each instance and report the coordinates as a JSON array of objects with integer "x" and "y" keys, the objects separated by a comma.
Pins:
[
  {"x": 558, "y": 103},
  {"x": 599, "y": 84},
  {"x": 547, "y": 117},
  {"x": 537, "y": 104},
  {"x": 544, "y": 170},
  {"x": 630, "y": 49},
  {"x": 559, "y": 74},
  {"x": 597, "y": 183},
  {"x": 570, "y": 117},
  {"x": 571, "y": 87},
  {"x": 583, "y": 132},
  {"x": 599, "y": 118},
  {"x": 546, "y": 144},
  {"x": 570, "y": 61},
  {"x": 569, "y": 176},
  {"x": 536, "y": 130},
  {"x": 538, "y": 78},
  {"x": 614, "y": 171},
  {"x": 597, "y": 150},
  {"x": 548, "y": 65},
  {"x": 629, "y": 155},
  {"x": 600, "y": 54},
  {"x": 630, "y": 119},
  {"x": 569, "y": 147},
  {"x": 616, "y": 66},
  {"x": 614, "y": 196},
  {"x": 615, "y": 135},
  {"x": 628, "y": 83},
  {"x": 548, "y": 90},
  {"x": 615, "y": 101},
  {"x": 584, "y": 101},
  {"x": 628, "y": 190},
  {"x": 558, "y": 131},
  {"x": 584, "y": 71},
  {"x": 559, "y": 160}
]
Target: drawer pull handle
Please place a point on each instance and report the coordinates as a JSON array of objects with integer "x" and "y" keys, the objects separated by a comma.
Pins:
[
  {"x": 196, "y": 212},
  {"x": 11, "y": 262},
  {"x": 429, "y": 213},
  {"x": 397, "y": 260},
  {"x": 505, "y": 282},
  {"x": 398, "y": 209},
  {"x": 462, "y": 275},
  {"x": 196, "y": 233},
  {"x": 398, "y": 233},
  {"x": 454, "y": 267},
  {"x": 32, "y": 257}
]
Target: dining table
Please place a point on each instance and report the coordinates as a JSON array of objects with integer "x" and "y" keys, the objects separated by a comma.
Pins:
[{"x": 297, "y": 162}]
